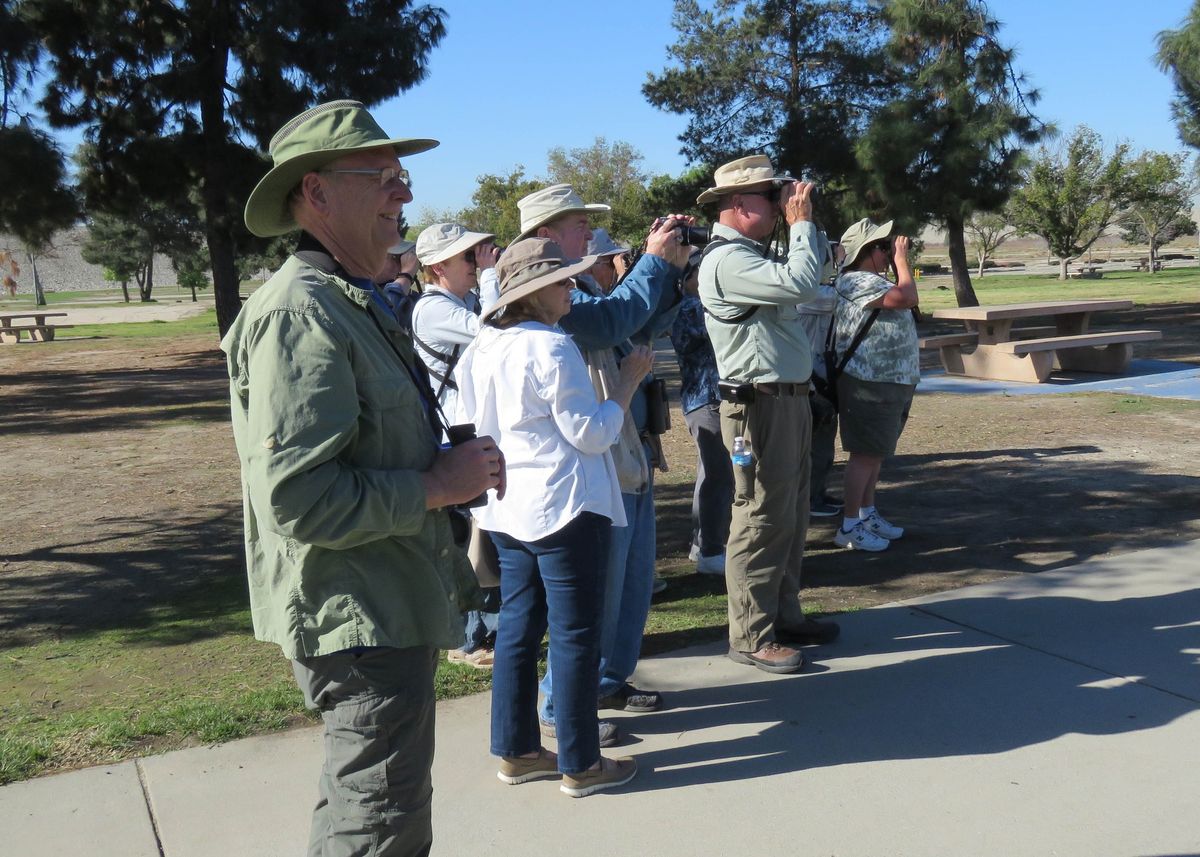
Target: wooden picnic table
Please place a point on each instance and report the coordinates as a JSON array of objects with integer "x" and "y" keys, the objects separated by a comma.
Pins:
[
  {"x": 1002, "y": 353},
  {"x": 39, "y": 330}
]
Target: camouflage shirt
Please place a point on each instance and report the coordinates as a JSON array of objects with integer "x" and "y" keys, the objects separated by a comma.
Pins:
[{"x": 888, "y": 353}]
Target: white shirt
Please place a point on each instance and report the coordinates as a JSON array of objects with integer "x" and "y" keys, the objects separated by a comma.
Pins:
[{"x": 529, "y": 388}]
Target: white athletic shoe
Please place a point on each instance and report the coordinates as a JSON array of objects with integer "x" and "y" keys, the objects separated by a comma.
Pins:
[
  {"x": 859, "y": 538},
  {"x": 882, "y": 528}
]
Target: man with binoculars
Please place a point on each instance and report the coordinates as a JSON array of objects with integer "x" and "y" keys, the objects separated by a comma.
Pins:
[{"x": 765, "y": 362}]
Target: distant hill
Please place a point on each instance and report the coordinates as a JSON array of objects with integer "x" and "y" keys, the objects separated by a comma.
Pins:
[{"x": 62, "y": 268}]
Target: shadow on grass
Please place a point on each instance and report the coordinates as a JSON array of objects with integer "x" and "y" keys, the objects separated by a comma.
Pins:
[{"x": 192, "y": 386}]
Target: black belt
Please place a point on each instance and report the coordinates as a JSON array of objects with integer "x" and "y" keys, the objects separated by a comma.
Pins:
[{"x": 782, "y": 389}]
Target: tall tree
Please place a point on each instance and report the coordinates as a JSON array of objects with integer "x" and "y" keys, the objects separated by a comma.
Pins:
[
  {"x": 35, "y": 198},
  {"x": 796, "y": 79},
  {"x": 494, "y": 206},
  {"x": 1179, "y": 55},
  {"x": 1070, "y": 196},
  {"x": 1158, "y": 209},
  {"x": 127, "y": 245},
  {"x": 985, "y": 232},
  {"x": 189, "y": 79},
  {"x": 951, "y": 144},
  {"x": 610, "y": 173}
]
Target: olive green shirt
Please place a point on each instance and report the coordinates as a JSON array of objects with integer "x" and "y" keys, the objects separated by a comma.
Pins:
[
  {"x": 332, "y": 435},
  {"x": 771, "y": 345}
]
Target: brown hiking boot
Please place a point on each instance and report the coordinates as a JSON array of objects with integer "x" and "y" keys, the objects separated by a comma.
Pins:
[
  {"x": 610, "y": 774},
  {"x": 772, "y": 658}
]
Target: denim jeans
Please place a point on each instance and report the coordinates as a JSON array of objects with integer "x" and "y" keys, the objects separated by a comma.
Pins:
[
  {"x": 627, "y": 592},
  {"x": 712, "y": 498},
  {"x": 556, "y": 582},
  {"x": 481, "y": 624}
]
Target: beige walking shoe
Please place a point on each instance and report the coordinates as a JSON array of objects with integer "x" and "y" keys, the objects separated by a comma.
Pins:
[{"x": 610, "y": 774}]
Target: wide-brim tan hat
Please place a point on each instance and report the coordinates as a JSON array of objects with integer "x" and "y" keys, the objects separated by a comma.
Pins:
[
  {"x": 862, "y": 234},
  {"x": 542, "y": 206},
  {"x": 442, "y": 241},
  {"x": 307, "y": 142},
  {"x": 602, "y": 244},
  {"x": 741, "y": 176},
  {"x": 531, "y": 264}
]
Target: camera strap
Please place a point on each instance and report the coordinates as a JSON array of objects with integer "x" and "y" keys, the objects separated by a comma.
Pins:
[{"x": 737, "y": 318}]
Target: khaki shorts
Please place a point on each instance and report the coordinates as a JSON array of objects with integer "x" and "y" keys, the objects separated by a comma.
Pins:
[{"x": 872, "y": 414}]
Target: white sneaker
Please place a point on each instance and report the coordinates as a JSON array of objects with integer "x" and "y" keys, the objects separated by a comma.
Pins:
[
  {"x": 714, "y": 565},
  {"x": 882, "y": 528},
  {"x": 859, "y": 538},
  {"x": 694, "y": 553}
]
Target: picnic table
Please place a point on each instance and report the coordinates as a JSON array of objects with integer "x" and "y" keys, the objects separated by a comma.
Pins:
[
  {"x": 1005, "y": 353},
  {"x": 39, "y": 330}
]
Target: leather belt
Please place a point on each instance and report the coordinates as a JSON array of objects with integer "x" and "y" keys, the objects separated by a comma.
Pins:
[{"x": 782, "y": 389}]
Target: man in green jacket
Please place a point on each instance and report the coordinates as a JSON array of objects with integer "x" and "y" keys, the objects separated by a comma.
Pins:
[{"x": 353, "y": 565}]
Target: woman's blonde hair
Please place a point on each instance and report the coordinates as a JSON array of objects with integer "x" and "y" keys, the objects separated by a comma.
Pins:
[{"x": 529, "y": 308}]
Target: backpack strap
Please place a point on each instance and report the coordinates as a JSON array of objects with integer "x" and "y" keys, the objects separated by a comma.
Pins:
[{"x": 737, "y": 318}]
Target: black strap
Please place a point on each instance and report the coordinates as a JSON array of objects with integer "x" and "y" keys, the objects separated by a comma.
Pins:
[
  {"x": 451, "y": 360},
  {"x": 738, "y": 318},
  {"x": 858, "y": 338}
]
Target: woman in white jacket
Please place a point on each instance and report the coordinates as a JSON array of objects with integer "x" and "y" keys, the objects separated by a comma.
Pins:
[{"x": 523, "y": 382}]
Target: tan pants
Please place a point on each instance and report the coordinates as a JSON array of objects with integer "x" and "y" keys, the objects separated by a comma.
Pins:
[{"x": 770, "y": 517}]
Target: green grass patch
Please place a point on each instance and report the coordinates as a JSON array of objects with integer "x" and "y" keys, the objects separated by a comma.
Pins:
[
  {"x": 1172, "y": 285},
  {"x": 204, "y": 323}
]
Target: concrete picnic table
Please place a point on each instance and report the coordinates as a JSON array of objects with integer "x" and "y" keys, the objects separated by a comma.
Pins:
[
  {"x": 1004, "y": 353},
  {"x": 39, "y": 330}
]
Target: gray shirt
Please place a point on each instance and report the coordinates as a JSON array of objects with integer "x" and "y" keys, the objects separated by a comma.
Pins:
[{"x": 771, "y": 345}]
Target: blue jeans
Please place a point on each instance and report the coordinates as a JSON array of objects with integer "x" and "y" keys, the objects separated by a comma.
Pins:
[
  {"x": 481, "y": 624},
  {"x": 556, "y": 582},
  {"x": 627, "y": 593}
]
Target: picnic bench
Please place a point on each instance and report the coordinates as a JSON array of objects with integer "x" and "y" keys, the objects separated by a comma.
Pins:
[
  {"x": 1004, "y": 353},
  {"x": 1086, "y": 272},
  {"x": 39, "y": 329}
]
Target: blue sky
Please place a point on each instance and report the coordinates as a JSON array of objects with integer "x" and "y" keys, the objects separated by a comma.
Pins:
[{"x": 512, "y": 80}]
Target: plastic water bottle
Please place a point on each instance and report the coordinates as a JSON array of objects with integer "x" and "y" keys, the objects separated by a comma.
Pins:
[{"x": 741, "y": 452}]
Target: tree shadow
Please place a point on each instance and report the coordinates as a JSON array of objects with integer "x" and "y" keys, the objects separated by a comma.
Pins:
[
  {"x": 188, "y": 386},
  {"x": 929, "y": 688}
]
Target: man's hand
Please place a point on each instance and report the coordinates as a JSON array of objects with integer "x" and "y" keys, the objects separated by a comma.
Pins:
[
  {"x": 796, "y": 201},
  {"x": 410, "y": 264},
  {"x": 664, "y": 240},
  {"x": 463, "y": 472},
  {"x": 486, "y": 255}
]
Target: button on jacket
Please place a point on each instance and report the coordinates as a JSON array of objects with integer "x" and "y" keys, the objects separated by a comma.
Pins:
[
  {"x": 770, "y": 345},
  {"x": 332, "y": 435}
]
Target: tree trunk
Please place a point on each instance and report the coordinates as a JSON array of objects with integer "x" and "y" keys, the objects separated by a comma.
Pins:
[
  {"x": 1152, "y": 254},
  {"x": 982, "y": 259},
  {"x": 1062, "y": 267},
  {"x": 39, "y": 296},
  {"x": 125, "y": 289},
  {"x": 219, "y": 219},
  {"x": 146, "y": 284},
  {"x": 193, "y": 294},
  {"x": 957, "y": 246}
]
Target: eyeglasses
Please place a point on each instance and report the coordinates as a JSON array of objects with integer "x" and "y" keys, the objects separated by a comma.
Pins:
[{"x": 388, "y": 176}]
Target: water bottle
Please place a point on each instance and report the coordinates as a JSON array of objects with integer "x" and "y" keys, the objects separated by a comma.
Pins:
[{"x": 741, "y": 452}]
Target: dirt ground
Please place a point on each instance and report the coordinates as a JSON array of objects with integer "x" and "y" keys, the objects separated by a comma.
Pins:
[{"x": 121, "y": 495}]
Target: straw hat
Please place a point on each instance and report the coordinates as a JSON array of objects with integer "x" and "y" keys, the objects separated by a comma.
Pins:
[
  {"x": 308, "y": 142},
  {"x": 542, "y": 206},
  {"x": 531, "y": 264},
  {"x": 745, "y": 174},
  {"x": 441, "y": 241},
  {"x": 860, "y": 235}
]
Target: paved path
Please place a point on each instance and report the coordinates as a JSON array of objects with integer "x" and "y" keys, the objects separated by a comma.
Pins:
[
  {"x": 1166, "y": 379},
  {"x": 1049, "y": 714}
]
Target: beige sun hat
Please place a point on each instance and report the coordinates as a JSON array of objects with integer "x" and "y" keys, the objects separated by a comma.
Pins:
[
  {"x": 531, "y": 264},
  {"x": 542, "y": 206},
  {"x": 860, "y": 235},
  {"x": 441, "y": 241},
  {"x": 745, "y": 174},
  {"x": 308, "y": 142},
  {"x": 602, "y": 244}
]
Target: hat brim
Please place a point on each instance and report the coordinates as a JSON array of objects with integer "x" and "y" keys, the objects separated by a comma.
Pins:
[
  {"x": 715, "y": 193},
  {"x": 537, "y": 283},
  {"x": 883, "y": 230},
  {"x": 401, "y": 247},
  {"x": 463, "y": 242},
  {"x": 589, "y": 208},
  {"x": 267, "y": 213}
]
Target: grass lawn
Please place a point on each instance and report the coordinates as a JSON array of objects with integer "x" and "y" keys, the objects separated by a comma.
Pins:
[{"x": 1171, "y": 285}]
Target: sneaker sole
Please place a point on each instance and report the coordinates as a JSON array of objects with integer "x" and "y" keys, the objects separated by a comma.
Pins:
[
  {"x": 813, "y": 513},
  {"x": 525, "y": 778},
  {"x": 592, "y": 788},
  {"x": 849, "y": 545}
]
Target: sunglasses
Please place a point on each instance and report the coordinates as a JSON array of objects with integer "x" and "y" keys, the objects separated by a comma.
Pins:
[{"x": 387, "y": 176}]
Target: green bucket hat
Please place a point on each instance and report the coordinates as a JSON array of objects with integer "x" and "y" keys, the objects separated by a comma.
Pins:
[
  {"x": 861, "y": 234},
  {"x": 308, "y": 142}
]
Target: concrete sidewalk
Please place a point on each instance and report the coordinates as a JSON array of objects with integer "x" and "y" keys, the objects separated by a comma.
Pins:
[{"x": 1056, "y": 713}]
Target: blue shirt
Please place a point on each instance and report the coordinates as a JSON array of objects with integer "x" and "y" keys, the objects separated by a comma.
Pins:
[{"x": 697, "y": 361}]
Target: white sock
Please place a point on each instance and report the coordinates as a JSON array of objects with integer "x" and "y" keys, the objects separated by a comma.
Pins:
[
  {"x": 865, "y": 512},
  {"x": 848, "y": 524}
]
